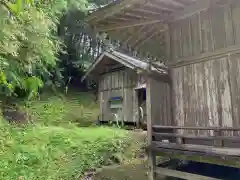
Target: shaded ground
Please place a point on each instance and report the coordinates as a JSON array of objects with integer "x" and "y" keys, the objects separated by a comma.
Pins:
[
  {"x": 137, "y": 170},
  {"x": 131, "y": 169}
]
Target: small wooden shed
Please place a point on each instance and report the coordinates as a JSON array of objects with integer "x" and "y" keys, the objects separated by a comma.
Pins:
[{"x": 122, "y": 86}]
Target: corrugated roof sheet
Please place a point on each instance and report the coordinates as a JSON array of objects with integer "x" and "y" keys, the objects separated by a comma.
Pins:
[{"x": 128, "y": 61}]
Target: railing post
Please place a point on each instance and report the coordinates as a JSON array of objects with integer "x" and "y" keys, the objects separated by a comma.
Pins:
[
  {"x": 151, "y": 155},
  {"x": 217, "y": 133}
]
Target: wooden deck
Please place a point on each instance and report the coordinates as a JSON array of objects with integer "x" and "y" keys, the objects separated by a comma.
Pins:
[{"x": 181, "y": 143}]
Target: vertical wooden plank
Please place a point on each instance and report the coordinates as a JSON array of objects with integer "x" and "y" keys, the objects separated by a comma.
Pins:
[
  {"x": 135, "y": 108},
  {"x": 227, "y": 120},
  {"x": 104, "y": 81},
  {"x": 168, "y": 105},
  {"x": 109, "y": 81},
  {"x": 179, "y": 39},
  {"x": 198, "y": 120},
  {"x": 193, "y": 97},
  {"x": 185, "y": 96},
  {"x": 128, "y": 104},
  {"x": 151, "y": 155},
  {"x": 199, "y": 20},
  {"x": 173, "y": 40},
  {"x": 184, "y": 37},
  {"x": 125, "y": 100},
  {"x": 178, "y": 96},
  {"x": 206, "y": 32},
  {"x": 162, "y": 103},
  {"x": 218, "y": 27},
  {"x": 202, "y": 95},
  {"x": 123, "y": 94},
  {"x": 101, "y": 103},
  {"x": 228, "y": 19},
  {"x": 236, "y": 21},
  {"x": 191, "y": 29},
  {"x": 211, "y": 96},
  {"x": 114, "y": 80},
  {"x": 234, "y": 74},
  {"x": 190, "y": 45},
  {"x": 117, "y": 79},
  {"x": 167, "y": 44}
]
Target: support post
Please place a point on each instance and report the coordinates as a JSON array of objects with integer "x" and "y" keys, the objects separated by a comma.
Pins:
[{"x": 151, "y": 155}]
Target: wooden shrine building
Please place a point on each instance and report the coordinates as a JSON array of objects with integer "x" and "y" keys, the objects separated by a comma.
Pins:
[
  {"x": 122, "y": 86},
  {"x": 199, "y": 42}
]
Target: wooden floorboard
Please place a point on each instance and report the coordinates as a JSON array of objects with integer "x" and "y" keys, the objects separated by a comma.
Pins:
[{"x": 182, "y": 175}]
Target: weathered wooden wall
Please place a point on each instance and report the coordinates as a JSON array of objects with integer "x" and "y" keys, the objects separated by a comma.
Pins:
[
  {"x": 118, "y": 83},
  {"x": 206, "y": 60},
  {"x": 160, "y": 103},
  {"x": 207, "y": 31}
]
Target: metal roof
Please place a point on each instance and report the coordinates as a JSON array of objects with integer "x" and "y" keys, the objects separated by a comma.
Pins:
[{"x": 128, "y": 61}]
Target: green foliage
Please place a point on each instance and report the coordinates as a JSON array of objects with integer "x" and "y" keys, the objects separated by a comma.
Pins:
[
  {"x": 39, "y": 40},
  {"x": 54, "y": 153},
  {"x": 27, "y": 47},
  {"x": 77, "y": 108},
  {"x": 54, "y": 147}
]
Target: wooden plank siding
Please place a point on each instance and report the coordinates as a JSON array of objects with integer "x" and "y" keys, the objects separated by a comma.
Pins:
[
  {"x": 205, "y": 62},
  {"x": 207, "y": 93},
  {"x": 207, "y": 31},
  {"x": 118, "y": 83},
  {"x": 161, "y": 106}
]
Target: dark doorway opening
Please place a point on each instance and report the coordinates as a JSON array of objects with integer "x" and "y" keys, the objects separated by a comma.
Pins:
[
  {"x": 141, "y": 95},
  {"x": 142, "y": 111}
]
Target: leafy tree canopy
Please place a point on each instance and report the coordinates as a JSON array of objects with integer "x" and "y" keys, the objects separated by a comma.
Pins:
[{"x": 42, "y": 42}]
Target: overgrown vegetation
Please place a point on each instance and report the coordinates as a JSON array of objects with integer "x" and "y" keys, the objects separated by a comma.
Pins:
[
  {"x": 47, "y": 45},
  {"x": 42, "y": 152},
  {"x": 77, "y": 108},
  {"x": 44, "y": 43},
  {"x": 55, "y": 146}
]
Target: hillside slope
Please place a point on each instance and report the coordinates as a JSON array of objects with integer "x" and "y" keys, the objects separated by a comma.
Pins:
[{"x": 54, "y": 146}]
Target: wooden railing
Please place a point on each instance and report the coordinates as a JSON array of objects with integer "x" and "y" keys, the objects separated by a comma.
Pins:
[{"x": 218, "y": 137}]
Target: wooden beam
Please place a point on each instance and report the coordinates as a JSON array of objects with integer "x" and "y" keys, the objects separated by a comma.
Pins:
[
  {"x": 149, "y": 37},
  {"x": 198, "y": 6},
  {"x": 112, "y": 9},
  {"x": 133, "y": 32},
  {"x": 198, "y": 128},
  {"x": 182, "y": 175},
  {"x": 186, "y": 2},
  {"x": 208, "y": 150},
  {"x": 126, "y": 25},
  {"x": 197, "y": 157},
  {"x": 199, "y": 137},
  {"x": 145, "y": 12},
  {"x": 152, "y": 4},
  {"x": 141, "y": 34},
  {"x": 172, "y": 3},
  {"x": 167, "y": 4}
]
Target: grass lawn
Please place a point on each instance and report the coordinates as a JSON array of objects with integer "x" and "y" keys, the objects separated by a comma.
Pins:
[{"x": 54, "y": 147}]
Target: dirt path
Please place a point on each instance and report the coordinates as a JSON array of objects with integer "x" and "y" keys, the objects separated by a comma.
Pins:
[{"x": 135, "y": 169}]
